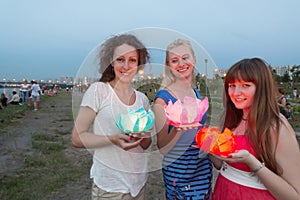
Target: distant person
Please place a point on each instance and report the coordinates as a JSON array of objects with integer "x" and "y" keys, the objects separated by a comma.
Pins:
[
  {"x": 291, "y": 116},
  {"x": 3, "y": 102},
  {"x": 281, "y": 101},
  {"x": 35, "y": 94},
  {"x": 15, "y": 99},
  {"x": 119, "y": 169},
  {"x": 25, "y": 90},
  {"x": 295, "y": 93},
  {"x": 44, "y": 89},
  {"x": 54, "y": 89}
]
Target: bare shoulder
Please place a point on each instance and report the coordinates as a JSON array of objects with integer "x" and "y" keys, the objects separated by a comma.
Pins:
[
  {"x": 288, "y": 154},
  {"x": 160, "y": 101},
  {"x": 286, "y": 130},
  {"x": 288, "y": 147}
]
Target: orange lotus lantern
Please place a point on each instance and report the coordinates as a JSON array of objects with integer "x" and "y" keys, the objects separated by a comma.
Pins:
[{"x": 211, "y": 140}]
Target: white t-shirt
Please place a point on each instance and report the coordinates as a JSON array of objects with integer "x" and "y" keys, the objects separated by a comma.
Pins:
[
  {"x": 15, "y": 98},
  {"x": 114, "y": 169},
  {"x": 35, "y": 90},
  {"x": 25, "y": 87}
]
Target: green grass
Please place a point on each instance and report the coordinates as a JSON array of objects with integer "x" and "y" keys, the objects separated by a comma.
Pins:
[
  {"x": 45, "y": 171},
  {"x": 12, "y": 112},
  {"x": 46, "y": 168}
]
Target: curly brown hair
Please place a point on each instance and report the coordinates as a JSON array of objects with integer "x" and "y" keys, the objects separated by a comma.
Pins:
[{"x": 107, "y": 52}]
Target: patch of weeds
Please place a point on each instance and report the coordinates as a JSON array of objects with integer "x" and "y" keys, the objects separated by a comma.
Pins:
[
  {"x": 58, "y": 132},
  {"x": 8, "y": 150},
  {"x": 66, "y": 119},
  {"x": 45, "y": 172},
  {"x": 47, "y": 147},
  {"x": 47, "y": 143},
  {"x": 7, "y": 133},
  {"x": 36, "y": 135},
  {"x": 34, "y": 161}
]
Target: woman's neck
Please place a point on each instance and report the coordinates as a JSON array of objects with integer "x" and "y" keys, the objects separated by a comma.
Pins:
[
  {"x": 182, "y": 84},
  {"x": 121, "y": 87},
  {"x": 246, "y": 112},
  {"x": 180, "y": 89},
  {"x": 124, "y": 92}
]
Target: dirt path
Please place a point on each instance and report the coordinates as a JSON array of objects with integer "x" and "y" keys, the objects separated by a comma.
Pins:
[{"x": 55, "y": 117}]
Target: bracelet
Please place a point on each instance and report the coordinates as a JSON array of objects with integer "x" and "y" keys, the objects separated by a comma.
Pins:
[{"x": 258, "y": 168}]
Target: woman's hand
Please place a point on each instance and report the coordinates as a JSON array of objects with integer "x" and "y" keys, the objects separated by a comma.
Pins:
[
  {"x": 145, "y": 138},
  {"x": 181, "y": 129},
  {"x": 126, "y": 142},
  {"x": 239, "y": 156},
  {"x": 136, "y": 136}
]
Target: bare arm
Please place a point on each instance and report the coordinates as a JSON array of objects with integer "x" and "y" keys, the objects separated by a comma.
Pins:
[
  {"x": 286, "y": 185},
  {"x": 82, "y": 138},
  {"x": 165, "y": 140},
  {"x": 216, "y": 162}
]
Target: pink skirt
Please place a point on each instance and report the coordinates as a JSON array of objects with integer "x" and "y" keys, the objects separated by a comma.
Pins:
[{"x": 226, "y": 189}]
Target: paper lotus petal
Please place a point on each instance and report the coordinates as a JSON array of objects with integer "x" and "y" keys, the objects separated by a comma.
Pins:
[
  {"x": 210, "y": 139},
  {"x": 136, "y": 121},
  {"x": 190, "y": 111}
]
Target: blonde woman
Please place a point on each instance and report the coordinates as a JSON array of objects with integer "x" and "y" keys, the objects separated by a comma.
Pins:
[{"x": 186, "y": 174}]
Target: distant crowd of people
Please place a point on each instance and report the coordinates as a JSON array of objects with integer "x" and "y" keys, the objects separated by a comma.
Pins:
[{"x": 28, "y": 93}]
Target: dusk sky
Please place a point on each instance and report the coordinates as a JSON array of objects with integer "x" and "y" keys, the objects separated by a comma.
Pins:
[{"x": 51, "y": 38}]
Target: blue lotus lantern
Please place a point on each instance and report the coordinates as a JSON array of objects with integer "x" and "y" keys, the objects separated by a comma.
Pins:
[{"x": 136, "y": 121}]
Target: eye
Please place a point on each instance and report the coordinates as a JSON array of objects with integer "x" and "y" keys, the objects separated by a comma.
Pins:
[
  {"x": 231, "y": 85},
  {"x": 185, "y": 58},
  {"x": 249, "y": 84},
  {"x": 120, "y": 59},
  {"x": 133, "y": 60},
  {"x": 174, "y": 61}
]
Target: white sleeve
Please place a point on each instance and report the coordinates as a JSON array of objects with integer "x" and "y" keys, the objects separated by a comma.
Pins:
[
  {"x": 145, "y": 101},
  {"x": 92, "y": 98}
]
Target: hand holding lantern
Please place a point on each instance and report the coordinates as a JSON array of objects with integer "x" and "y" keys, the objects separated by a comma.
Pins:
[{"x": 136, "y": 121}]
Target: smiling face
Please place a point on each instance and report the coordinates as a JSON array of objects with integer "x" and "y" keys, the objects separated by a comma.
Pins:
[
  {"x": 125, "y": 62},
  {"x": 181, "y": 61},
  {"x": 242, "y": 94}
]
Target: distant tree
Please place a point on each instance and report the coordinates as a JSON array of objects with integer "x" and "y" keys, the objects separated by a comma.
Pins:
[
  {"x": 217, "y": 76},
  {"x": 286, "y": 77},
  {"x": 295, "y": 70},
  {"x": 276, "y": 76}
]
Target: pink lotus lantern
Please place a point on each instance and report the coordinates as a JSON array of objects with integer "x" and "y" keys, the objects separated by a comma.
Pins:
[{"x": 187, "y": 113}]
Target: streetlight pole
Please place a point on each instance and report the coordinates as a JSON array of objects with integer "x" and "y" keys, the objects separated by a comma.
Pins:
[{"x": 205, "y": 60}]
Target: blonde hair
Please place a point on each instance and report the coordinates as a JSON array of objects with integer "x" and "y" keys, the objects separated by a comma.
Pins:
[{"x": 168, "y": 77}]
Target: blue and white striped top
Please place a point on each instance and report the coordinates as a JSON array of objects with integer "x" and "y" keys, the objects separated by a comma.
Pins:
[{"x": 187, "y": 170}]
